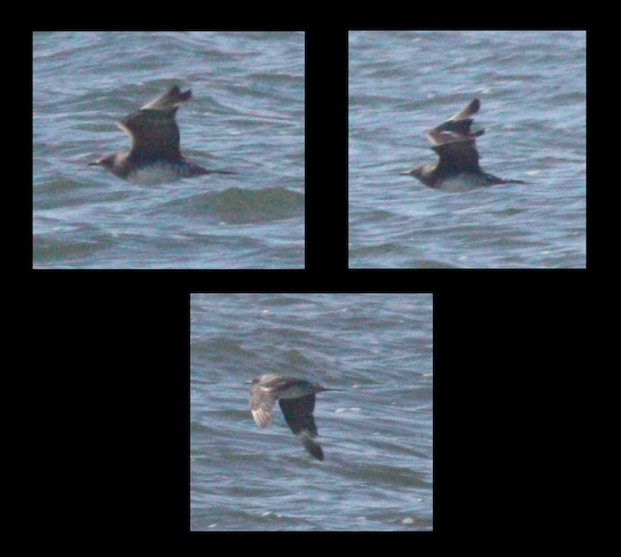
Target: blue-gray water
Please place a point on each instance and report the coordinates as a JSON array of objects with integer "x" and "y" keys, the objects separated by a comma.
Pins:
[
  {"x": 376, "y": 432},
  {"x": 532, "y": 87},
  {"x": 246, "y": 114}
]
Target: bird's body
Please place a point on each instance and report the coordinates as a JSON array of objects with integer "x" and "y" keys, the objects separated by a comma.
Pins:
[
  {"x": 155, "y": 154},
  {"x": 296, "y": 399},
  {"x": 457, "y": 168}
]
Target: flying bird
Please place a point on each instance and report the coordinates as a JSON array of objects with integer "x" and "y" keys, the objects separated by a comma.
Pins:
[
  {"x": 457, "y": 169},
  {"x": 296, "y": 398},
  {"x": 155, "y": 154}
]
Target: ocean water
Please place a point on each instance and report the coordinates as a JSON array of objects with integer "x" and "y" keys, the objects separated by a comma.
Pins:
[
  {"x": 532, "y": 87},
  {"x": 376, "y": 432},
  {"x": 246, "y": 115}
]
